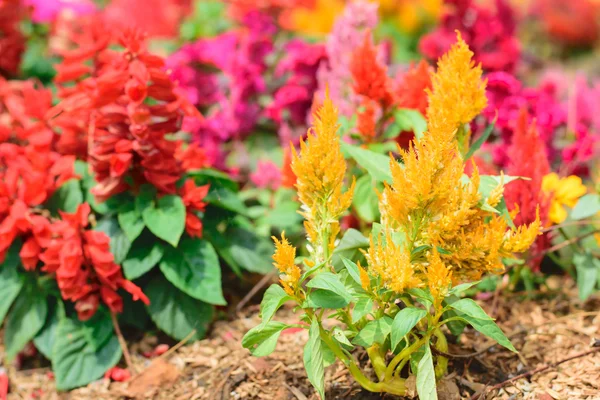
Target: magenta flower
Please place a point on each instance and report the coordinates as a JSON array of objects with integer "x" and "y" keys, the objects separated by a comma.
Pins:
[{"x": 48, "y": 10}]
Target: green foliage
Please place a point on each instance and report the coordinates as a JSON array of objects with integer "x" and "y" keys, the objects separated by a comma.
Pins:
[{"x": 313, "y": 359}]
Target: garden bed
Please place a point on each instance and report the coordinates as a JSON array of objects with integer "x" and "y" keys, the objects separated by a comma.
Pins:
[{"x": 547, "y": 330}]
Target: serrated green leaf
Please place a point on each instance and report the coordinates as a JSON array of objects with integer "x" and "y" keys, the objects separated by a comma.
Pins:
[
  {"x": 404, "y": 321},
  {"x": 131, "y": 221},
  {"x": 166, "y": 218},
  {"x": 75, "y": 360},
  {"x": 194, "y": 269},
  {"x": 25, "y": 319},
  {"x": 142, "y": 258},
  {"x": 262, "y": 339},
  {"x": 176, "y": 313},
  {"x": 119, "y": 244},
  {"x": 11, "y": 281}
]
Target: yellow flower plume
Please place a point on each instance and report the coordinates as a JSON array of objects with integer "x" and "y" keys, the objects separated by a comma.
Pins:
[
  {"x": 284, "y": 260},
  {"x": 320, "y": 169},
  {"x": 458, "y": 92}
]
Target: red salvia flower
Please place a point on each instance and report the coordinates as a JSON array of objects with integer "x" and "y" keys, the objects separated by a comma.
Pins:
[
  {"x": 12, "y": 41},
  {"x": 528, "y": 158}
]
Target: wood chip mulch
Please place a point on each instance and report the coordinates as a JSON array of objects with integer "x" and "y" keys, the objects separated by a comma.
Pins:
[{"x": 545, "y": 331}]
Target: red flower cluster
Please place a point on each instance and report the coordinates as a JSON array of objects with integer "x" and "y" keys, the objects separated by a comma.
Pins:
[
  {"x": 528, "y": 158},
  {"x": 12, "y": 41},
  {"x": 129, "y": 105},
  {"x": 84, "y": 266}
]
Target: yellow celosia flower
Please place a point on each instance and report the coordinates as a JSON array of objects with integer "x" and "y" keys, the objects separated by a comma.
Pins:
[
  {"x": 317, "y": 20},
  {"x": 411, "y": 15},
  {"x": 439, "y": 277},
  {"x": 565, "y": 192},
  {"x": 320, "y": 169},
  {"x": 429, "y": 201},
  {"x": 392, "y": 263},
  {"x": 284, "y": 260},
  {"x": 458, "y": 92}
]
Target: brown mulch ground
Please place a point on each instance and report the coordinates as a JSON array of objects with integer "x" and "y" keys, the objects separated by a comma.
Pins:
[{"x": 545, "y": 331}]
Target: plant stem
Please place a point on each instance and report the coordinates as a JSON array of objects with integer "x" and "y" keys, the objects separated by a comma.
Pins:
[
  {"x": 389, "y": 372},
  {"x": 377, "y": 360},
  {"x": 122, "y": 342},
  {"x": 442, "y": 345}
]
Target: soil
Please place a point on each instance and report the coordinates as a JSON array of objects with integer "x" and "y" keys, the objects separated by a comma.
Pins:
[{"x": 545, "y": 330}]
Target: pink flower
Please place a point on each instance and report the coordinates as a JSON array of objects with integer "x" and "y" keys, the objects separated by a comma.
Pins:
[
  {"x": 267, "y": 175},
  {"x": 48, "y": 10}
]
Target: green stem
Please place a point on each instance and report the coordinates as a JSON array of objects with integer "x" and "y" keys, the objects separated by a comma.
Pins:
[
  {"x": 442, "y": 345},
  {"x": 377, "y": 360},
  {"x": 404, "y": 354}
]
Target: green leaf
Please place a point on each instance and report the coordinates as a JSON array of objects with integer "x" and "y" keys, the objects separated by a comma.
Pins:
[
  {"x": 404, "y": 321},
  {"x": 166, "y": 218},
  {"x": 44, "y": 340},
  {"x": 587, "y": 206},
  {"x": 176, "y": 313},
  {"x": 352, "y": 269},
  {"x": 76, "y": 357},
  {"x": 130, "y": 220},
  {"x": 250, "y": 251},
  {"x": 349, "y": 247},
  {"x": 313, "y": 359},
  {"x": 458, "y": 289},
  {"x": 426, "y": 387},
  {"x": 274, "y": 298},
  {"x": 226, "y": 199},
  {"x": 480, "y": 141},
  {"x": 407, "y": 119},
  {"x": 377, "y": 165},
  {"x": 331, "y": 282},
  {"x": 363, "y": 306},
  {"x": 68, "y": 197},
  {"x": 340, "y": 336},
  {"x": 470, "y": 308},
  {"x": 422, "y": 296},
  {"x": 262, "y": 339},
  {"x": 375, "y": 331},
  {"x": 365, "y": 200},
  {"x": 194, "y": 269},
  {"x": 25, "y": 320},
  {"x": 11, "y": 281},
  {"x": 321, "y": 298},
  {"x": 119, "y": 244},
  {"x": 587, "y": 267},
  {"x": 478, "y": 319},
  {"x": 142, "y": 258}
]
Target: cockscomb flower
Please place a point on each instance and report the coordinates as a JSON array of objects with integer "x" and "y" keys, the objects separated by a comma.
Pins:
[
  {"x": 528, "y": 158},
  {"x": 438, "y": 276},
  {"x": 284, "y": 260},
  {"x": 317, "y": 19},
  {"x": 370, "y": 75},
  {"x": 366, "y": 120},
  {"x": 443, "y": 208},
  {"x": 458, "y": 92},
  {"x": 320, "y": 169},
  {"x": 412, "y": 86},
  {"x": 564, "y": 192}
]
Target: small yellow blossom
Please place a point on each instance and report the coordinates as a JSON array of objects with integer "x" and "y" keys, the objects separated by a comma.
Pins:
[
  {"x": 565, "y": 192},
  {"x": 284, "y": 260},
  {"x": 458, "y": 92},
  {"x": 320, "y": 169}
]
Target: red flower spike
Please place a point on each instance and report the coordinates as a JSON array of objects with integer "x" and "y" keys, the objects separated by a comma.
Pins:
[
  {"x": 410, "y": 92},
  {"x": 370, "y": 76}
]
